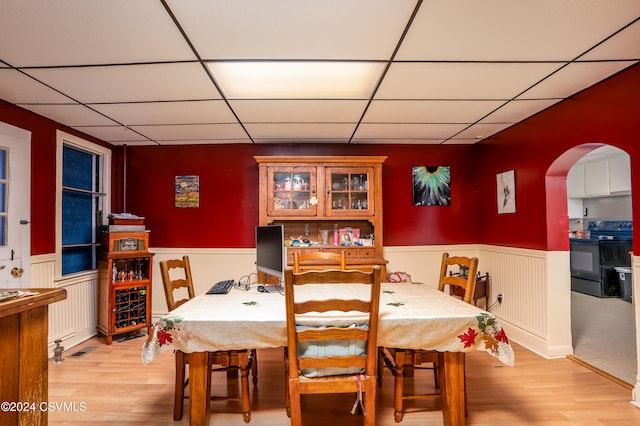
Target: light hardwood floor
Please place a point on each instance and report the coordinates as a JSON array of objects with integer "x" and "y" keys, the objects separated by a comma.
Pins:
[{"x": 116, "y": 389}]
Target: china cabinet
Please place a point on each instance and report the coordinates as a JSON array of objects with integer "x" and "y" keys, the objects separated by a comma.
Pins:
[
  {"x": 124, "y": 283},
  {"x": 325, "y": 203}
]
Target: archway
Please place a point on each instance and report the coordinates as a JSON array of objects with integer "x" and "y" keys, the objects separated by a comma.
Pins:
[{"x": 611, "y": 349}]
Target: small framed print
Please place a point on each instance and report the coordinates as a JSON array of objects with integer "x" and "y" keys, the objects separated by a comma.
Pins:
[
  {"x": 506, "y": 191},
  {"x": 187, "y": 191}
]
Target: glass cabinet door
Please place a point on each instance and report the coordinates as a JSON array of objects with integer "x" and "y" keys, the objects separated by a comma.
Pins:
[
  {"x": 292, "y": 191},
  {"x": 348, "y": 191}
]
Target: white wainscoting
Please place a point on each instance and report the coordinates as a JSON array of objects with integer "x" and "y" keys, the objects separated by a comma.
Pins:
[
  {"x": 74, "y": 319},
  {"x": 535, "y": 284}
]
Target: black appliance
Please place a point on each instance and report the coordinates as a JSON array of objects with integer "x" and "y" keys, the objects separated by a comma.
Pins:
[{"x": 593, "y": 260}]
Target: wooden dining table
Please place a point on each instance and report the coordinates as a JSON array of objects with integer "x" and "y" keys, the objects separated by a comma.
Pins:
[{"x": 412, "y": 316}]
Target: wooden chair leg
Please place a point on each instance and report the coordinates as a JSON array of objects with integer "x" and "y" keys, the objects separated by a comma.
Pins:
[
  {"x": 178, "y": 394},
  {"x": 287, "y": 399},
  {"x": 244, "y": 384},
  {"x": 399, "y": 382},
  {"x": 254, "y": 366},
  {"x": 370, "y": 404},
  {"x": 294, "y": 399}
]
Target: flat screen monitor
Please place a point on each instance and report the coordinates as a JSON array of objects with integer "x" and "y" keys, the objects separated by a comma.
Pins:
[{"x": 270, "y": 251}]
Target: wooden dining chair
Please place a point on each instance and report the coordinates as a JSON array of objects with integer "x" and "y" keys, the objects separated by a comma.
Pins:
[
  {"x": 219, "y": 360},
  {"x": 456, "y": 271},
  {"x": 316, "y": 259},
  {"x": 351, "y": 369}
]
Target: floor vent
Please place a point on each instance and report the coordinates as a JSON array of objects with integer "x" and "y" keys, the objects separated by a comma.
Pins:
[{"x": 82, "y": 352}]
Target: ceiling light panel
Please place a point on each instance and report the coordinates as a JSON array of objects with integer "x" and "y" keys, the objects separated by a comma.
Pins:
[
  {"x": 282, "y": 80},
  {"x": 299, "y": 110},
  {"x": 285, "y": 29},
  {"x": 512, "y": 30},
  {"x": 74, "y": 32},
  {"x": 461, "y": 80},
  {"x": 131, "y": 83}
]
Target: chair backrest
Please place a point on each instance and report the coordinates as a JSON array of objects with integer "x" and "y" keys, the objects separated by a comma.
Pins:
[
  {"x": 319, "y": 258},
  {"x": 466, "y": 280},
  {"x": 339, "y": 336},
  {"x": 171, "y": 285}
]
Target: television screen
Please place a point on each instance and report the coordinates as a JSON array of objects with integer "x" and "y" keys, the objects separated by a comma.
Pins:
[{"x": 270, "y": 250}]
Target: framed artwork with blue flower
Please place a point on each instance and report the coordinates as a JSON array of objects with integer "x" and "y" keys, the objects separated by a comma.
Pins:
[{"x": 431, "y": 185}]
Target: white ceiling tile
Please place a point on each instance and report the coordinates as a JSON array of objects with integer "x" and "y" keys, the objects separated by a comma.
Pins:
[
  {"x": 573, "y": 78},
  {"x": 314, "y": 140},
  {"x": 512, "y": 30},
  {"x": 518, "y": 110},
  {"x": 460, "y": 81},
  {"x": 113, "y": 134},
  {"x": 410, "y": 131},
  {"x": 184, "y": 81},
  {"x": 481, "y": 130},
  {"x": 300, "y": 131},
  {"x": 399, "y": 141},
  {"x": 19, "y": 88},
  {"x": 205, "y": 142},
  {"x": 285, "y": 29},
  {"x": 192, "y": 132},
  {"x": 298, "y": 110},
  {"x": 194, "y": 112},
  {"x": 624, "y": 45},
  {"x": 429, "y": 111},
  {"x": 71, "y": 115},
  {"x": 73, "y": 32}
]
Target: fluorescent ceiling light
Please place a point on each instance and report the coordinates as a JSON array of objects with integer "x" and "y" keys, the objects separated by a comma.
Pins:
[{"x": 296, "y": 79}]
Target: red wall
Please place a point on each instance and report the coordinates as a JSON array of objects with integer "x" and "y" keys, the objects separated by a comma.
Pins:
[
  {"x": 43, "y": 172},
  {"x": 606, "y": 113},
  {"x": 228, "y": 209}
]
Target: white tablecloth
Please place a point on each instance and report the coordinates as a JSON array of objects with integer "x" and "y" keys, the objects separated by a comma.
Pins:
[{"x": 412, "y": 316}]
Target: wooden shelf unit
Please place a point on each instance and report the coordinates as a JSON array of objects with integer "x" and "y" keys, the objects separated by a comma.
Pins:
[
  {"x": 310, "y": 194},
  {"x": 124, "y": 283}
]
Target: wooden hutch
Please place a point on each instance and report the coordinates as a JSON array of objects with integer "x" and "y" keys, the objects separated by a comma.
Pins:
[{"x": 326, "y": 203}]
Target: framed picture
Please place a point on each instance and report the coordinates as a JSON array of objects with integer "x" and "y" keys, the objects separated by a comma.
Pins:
[
  {"x": 431, "y": 185},
  {"x": 187, "y": 191},
  {"x": 506, "y": 191}
]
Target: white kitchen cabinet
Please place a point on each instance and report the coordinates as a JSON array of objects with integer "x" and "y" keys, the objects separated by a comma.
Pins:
[
  {"x": 596, "y": 178},
  {"x": 619, "y": 174},
  {"x": 575, "y": 181}
]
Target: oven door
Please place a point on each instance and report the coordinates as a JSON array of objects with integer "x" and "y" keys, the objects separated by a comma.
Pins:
[{"x": 585, "y": 259}]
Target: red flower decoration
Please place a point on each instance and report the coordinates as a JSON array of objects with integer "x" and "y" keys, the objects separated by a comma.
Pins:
[
  {"x": 164, "y": 337},
  {"x": 501, "y": 336},
  {"x": 468, "y": 338}
]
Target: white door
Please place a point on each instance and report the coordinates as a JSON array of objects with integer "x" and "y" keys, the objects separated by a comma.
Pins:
[{"x": 15, "y": 202}]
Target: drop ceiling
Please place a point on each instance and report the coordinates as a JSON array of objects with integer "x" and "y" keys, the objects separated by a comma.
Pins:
[{"x": 143, "y": 72}]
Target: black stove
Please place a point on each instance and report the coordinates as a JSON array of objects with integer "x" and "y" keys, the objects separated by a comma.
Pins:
[
  {"x": 610, "y": 229},
  {"x": 594, "y": 259}
]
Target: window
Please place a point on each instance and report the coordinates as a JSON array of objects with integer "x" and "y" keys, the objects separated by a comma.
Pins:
[{"x": 83, "y": 202}]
